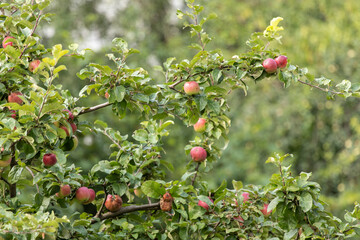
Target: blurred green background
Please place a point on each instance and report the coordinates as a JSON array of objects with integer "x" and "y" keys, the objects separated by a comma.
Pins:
[{"x": 322, "y": 35}]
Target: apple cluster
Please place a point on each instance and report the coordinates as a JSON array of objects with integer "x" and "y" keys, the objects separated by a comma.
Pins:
[
  {"x": 271, "y": 65},
  {"x": 85, "y": 195}
]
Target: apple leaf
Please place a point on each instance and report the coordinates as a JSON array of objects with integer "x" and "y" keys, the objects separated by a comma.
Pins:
[
  {"x": 152, "y": 189},
  {"x": 306, "y": 201}
]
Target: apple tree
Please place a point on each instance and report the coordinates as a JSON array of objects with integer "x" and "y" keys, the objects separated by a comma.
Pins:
[{"x": 126, "y": 195}]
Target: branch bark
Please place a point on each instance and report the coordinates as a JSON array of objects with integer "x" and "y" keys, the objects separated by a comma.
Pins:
[
  {"x": 127, "y": 209},
  {"x": 94, "y": 108}
]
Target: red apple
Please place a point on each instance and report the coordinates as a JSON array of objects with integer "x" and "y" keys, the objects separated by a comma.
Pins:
[
  {"x": 113, "y": 203},
  {"x": 198, "y": 154},
  {"x": 204, "y": 204},
  {"x": 65, "y": 190},
  {"x": 281, "y": 61},
  {"x": 66, "y": 130},
  {"x": 191, "y": 88},
  {"x": 49, "y": 159},
  {"x": 71, "y": 115},
  {"x": 82, "y": 194},
  {"x": 13, "y": 97},
  {"x": 6, "y": 43},
  {"x": 270, "y": 65},
  {"x": 5, "y": 160},
  {"x": 200, "y": 125},
  {"x": 34, "y": 65},
  {"x": 13, "y": 114},
  {"x": 92, "y": 196},
  {"x": 73, "y": 127},
  {"x": 265, "y": 211},
  {"x": 245, "y": 195},
  {"x": 240, "y": 220},
  {"x": 107, "y": 95}
]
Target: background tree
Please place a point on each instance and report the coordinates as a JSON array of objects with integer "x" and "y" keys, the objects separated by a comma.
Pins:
[{"x": 35, "y": 126}]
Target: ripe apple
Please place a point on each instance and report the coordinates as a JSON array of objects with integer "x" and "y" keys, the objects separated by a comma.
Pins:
[
  {"x": 13, "y": 114},
  {"x": 265, "y": 211},
  {"x": 71, "y": 115},
  {"x": 240, "y": 220},
  {"x": 270, "y": 65},
  {"x": 49, "y": 159},
  {"x": 281, "y": 61},
  {"x": 198, "y": 154},
  {"x": 113, "y": 203},
  {"x": 73, "y": 127},
  {"x": 200, "y": 125},
  {"x": 34, "y": 65},
  {"x": 107, "y": 95},
  {"x": 6, "y": 43},
  {"x": 13, "y": 97},
  {"x": 204, "y": 204},
  {"x": 82, "y": 194},
  {"x": 191, "y": 88},
  {"x": 166, "y": 202},
  {"x": 65, "y": 190},
  {"x": 92, "y": 196},
  {"x": 245, "y": 195},
  {"x": 5, "y": 160}
]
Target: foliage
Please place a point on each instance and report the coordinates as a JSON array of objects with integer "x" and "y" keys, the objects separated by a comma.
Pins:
[{"x": 136, "y": 162}]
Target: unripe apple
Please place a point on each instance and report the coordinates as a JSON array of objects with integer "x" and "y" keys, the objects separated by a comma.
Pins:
[
  {"x": 82, "y": 194},
  {"x": 198, "y": 154},
  {"x": 66, "y": 130},
  {"x": 245, "y": 195},
  {"x": 6, "y": 43},
  {"x": 71, "y": 115},
  {"x": 73, "y": 127},
  {"x": 113, "y": 203},
  {"x": 92, "y": 196},
  {"x": 13, "y": 97},
  {"x": 49, "y": 159},
  {"x": 107, "y": 95},
  {"x": 200, "y": 125},
  {"x": 138, "y": 192},
  {"x": 34, "y": 65},
  {"x": 204, "y": 204},
  {"x": 281, "y": 61},
  {"x": 265, "y": 211},
  {"x": 270, "y": 65},
  {"x": 65, "y": 190},
  {"x": 191, "y": 88},
  {"x": 5, "y": 160}
]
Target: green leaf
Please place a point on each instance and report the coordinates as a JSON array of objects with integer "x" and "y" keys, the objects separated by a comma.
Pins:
[
  {"x": 237, "y": 185},
  {"x": 140, "y": 135},
  {"x": 117, "y": 94},
  {"x": 274, "y": 203},
  {"x": 290, "y": 234},
  {"x": 59, "y": 68},
  {"x": 306, "y": 201},
  {"x": 153, "y": 189},
  {"x": 15, "y": 174}
]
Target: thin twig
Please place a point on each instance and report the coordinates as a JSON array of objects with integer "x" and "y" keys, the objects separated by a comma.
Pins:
[
  {"x": 197, "y": 170},
  {"x": 98, "y": 214},
  {"x": 322, "y": 89},
  {"x": 32, "y": 174},
  {"x": 32, "y": 32}
]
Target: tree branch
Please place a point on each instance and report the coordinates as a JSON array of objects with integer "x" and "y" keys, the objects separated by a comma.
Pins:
[
  {"x": 127, "y": 209},
  {"x": 320, "y": 88},
  {"x": 94, "y": 108}
]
